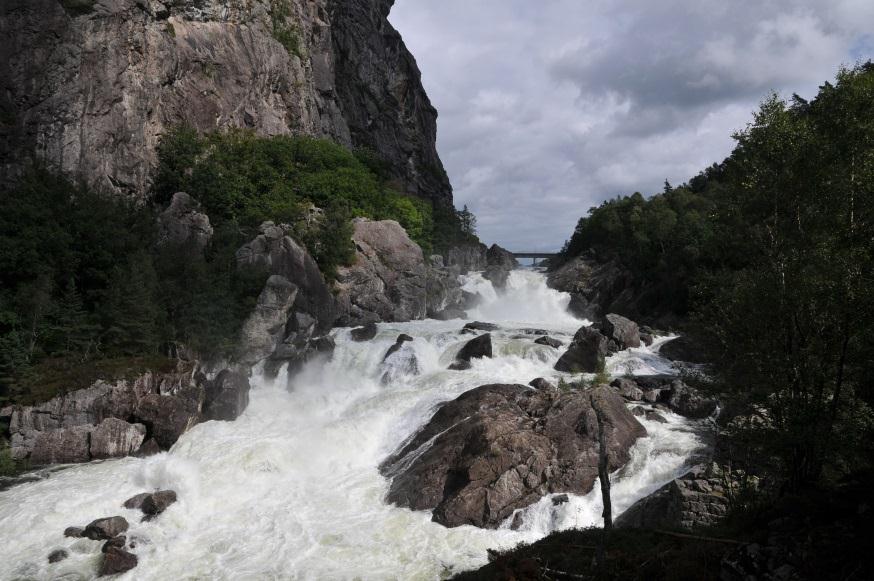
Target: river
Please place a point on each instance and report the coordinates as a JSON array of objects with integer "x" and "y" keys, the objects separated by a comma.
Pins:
[{"x": 291, "y": 490}]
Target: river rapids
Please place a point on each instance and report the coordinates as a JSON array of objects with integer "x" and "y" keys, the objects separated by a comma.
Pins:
[{"x": 291, "y": 490}]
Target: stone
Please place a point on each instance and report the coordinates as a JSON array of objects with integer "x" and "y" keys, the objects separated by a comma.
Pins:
[
  {"x": 479, "y": 326},
  {"x": 365, "y": 333},
  {"x": 684, "y": 349},
  {"x": 113, "y": 438},
  {"x": 226, "y": 397},
  {"x": 646, "y": 339},
  {"x": 499, "y": 263},
  {"x": 105, "y": 528},
  {"x": 183, "y": 225},
  {"x": 62, "y": 446},
  {"x": 499, "y": 448},
  {"x": 74, "y": 532},
  {"x": 209, "y": 65},
  {"x": 264, "y": 330},
  {"x": 476, "y": 348},
  {"x": 116, "y": 561},
  {"x": 136, "y": 502},
  {"x": 115, "y": 542},
  {"x": 586, "y": 354},
  {"x": 399, "y": 361},
  {"x": 654, "y": 416},
  {"x": 157, "y": 502},
  {"x": 687, "y": 401},
  {"x": 149, "y": 448},
  {"x": 549, "y": 342},
  {"x": 541, "y": 383},
  {"x": 596, "y": 288},
  {"x": 444, "y": 298},
  {"x": 167, "y": 417},
  {"x": 628, "y": 389},
  {"x": 460, "y": 366},
  {"x": 387, "y": 281},
  {"x": 467, "y": 257},
  {"x": 58, "y": 555},
  {"x": 560, "y": 499},
  {"x": 624, "y": 332}
]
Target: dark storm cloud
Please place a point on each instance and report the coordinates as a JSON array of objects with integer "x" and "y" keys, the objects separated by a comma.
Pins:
[{"x": 548, "y": 108}]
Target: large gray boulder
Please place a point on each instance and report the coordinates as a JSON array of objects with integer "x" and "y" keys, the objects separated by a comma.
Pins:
[
  {"x": 387, "y": 281},
  {"x": 596, "y": 288},
  {"x": 445, "y": 299},
  {"x": 477, "y": 348},
  {"x": 62, "y": 446},
  {"x": 499, "y": 263},
  {"x": 586, "y": 353},
  {"x": 466, "y": 257},
  {"x": 184, "y": 225},
  {"x": 114, "y": 438},
  {"x": 264, "y": 330},
  {"x": 226, "y": 397},
  {"x": 623, "y": 332},
  {"x": 167, "y": 417},
  {"x": 498, "y": 448}
]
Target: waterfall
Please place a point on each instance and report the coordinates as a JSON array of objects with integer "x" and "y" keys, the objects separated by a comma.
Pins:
[{"x": 291, "y": 490}]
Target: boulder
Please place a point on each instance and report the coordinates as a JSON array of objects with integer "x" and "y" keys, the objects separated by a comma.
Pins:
[
  {"x": 157, "y": 502},
  {"x": 365, "y": 333},
  {"x": 460, "y": 366},
  {"x": 264, "y": 330},
  {"x": 167, "y": 417},
  {"x": 683, "y": 349},
  {"x": 445, "y": 300},
  {"x": 499, "y": 263},
  {"x": 74, "y": 532},
  {"x": 277, "y": 253},
  {"x": 497, "y": 276},
  {"x": 149, "y": 448},
  {"x": 654, "y": 416},
  {"x": 113, "y": 438},
  {"x": 226, "y": 397},
  {"x": 466, "y": 257},
  {"x": 62, "y": 446},
  {"x": 596, "y": 288},
  {"x": 621, "y": 331},
  {"x": 58, "y": 555},
  {"x": 687, "y": 401},
  {"x": 628, "y": 389},
  {"x": 541, "y": 383},
  {"x": 136, "y": 502},
  {"x": 646, "y": 338},
  {"x": 183, "y": 225},
  {"x": 549, "y": 342},
  {"x": 399, "y": 361},
  {"x": 476, "y": 348},
  {"x": 479, "y": 326},
  {"x": 499, "y": 448},
  {"x": 387, "y": 281},
  {"x": 105, "y": 528},
  {"x": 116, "y": 561},
  {"x": 115, "y": 542},
  {"x": 560, "y": 499},
  {"x": 586, "y": 354}
]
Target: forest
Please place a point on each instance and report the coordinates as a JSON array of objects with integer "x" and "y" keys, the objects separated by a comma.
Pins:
[{"x": 768, "y": 257}]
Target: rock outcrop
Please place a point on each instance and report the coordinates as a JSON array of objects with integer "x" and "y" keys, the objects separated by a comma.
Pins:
[
  {"x": 668, "y": 391},
  {"x": 264, "y": 330},
  {"x": 498, "y": 448},
  {"x": 466, "y": 258},
  {"x": 184, "y": 226},
  {"x": 623, "y": 332},
  {"x": 399, "y": 361},
  {"x": 111, "y": 420},
  {"x": 89, "y": 86},
  {"x": 499, "y": 263},
  {"x": 387, "y": 281},
  {"x": 596, "y": 288},
  {"x": 586, "y": 353}
]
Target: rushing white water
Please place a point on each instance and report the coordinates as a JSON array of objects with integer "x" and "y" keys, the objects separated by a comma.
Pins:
[{"x": 291, "y": 490}]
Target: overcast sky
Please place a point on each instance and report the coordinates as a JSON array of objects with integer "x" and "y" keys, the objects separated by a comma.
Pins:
[{"x": 549, "y": 107}]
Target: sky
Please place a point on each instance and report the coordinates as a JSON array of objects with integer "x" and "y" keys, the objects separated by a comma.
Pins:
[{"x": 547, "y": 108}]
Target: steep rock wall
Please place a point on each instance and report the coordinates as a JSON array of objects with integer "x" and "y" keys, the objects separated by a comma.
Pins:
[{"x": 89, "y": 86}]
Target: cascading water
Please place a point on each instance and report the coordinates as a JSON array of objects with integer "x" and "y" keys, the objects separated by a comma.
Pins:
[{"x": 291, "y": 490}]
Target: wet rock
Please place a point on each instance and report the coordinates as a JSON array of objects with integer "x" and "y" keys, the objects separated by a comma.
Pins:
[
  {"x": 638, "y": 412},
  {"x": 399, "y": 361},
  {"x": 136, "y": 502},
  {"x": 498, "y": 448},
  {"x": 117, "y": 560},
  {"x": 560, "y": 499},
  {"x": 596, "y": 288},
  {"x": 623, "y": 332},
  {"x": 113, "y": 438},
  {"x": 387, "y": 281},
  {"x": 476, "y": 348},
  {"x": 149, "y": 448},
  {"x": 646, "y": 339},
  {"x": 541, "y": 383},
  {"x": 497, "y": 276},
  {"x": 628, "y": 389},
  {"x": 226, "y": 397},
  {"x": 586, "y": 354},
  {"x": 499, "y": 263},
  {"x": 479, "y": 326},
  {"x": 74, "y": 532},
  {"x": 157, "y": 502},
  {"x": 58, "y": 555},
  {"x": 445, "y": 299},
  {"x": 654, "y": 416},
  {"x": 466, "y": 257},
  {"x": 687, "y": 401},
  {"x": 114, "y": 543},
  {"x": 105, "y": 528},
  {"x": 264, "y": 330},
  {"x": 365, "y": 333},
  {"x": 62, "y": 446},
  {"x": 460, "y": 366},
  {"x": 399, "y": 343},
  {"x": 549, "y": 342},
  {"x": 167, "y": 417}
]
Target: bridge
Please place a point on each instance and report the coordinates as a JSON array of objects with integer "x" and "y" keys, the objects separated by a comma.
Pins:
[{"x": 534, "y": 256}]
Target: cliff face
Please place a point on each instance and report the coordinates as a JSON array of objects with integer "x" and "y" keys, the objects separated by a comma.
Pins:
[{"x": 89, "y": 86}]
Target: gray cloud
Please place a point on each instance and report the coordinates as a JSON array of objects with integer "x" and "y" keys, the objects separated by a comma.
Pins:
[{"x": 548, "y": 108}]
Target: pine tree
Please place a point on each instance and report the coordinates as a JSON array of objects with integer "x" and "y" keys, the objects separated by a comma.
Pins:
[{"x": 131, "y": 314}]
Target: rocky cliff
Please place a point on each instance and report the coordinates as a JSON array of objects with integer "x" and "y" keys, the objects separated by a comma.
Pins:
[{"x": 89, "y": 86}]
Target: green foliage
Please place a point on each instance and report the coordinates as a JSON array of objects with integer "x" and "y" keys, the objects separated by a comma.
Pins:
[
  {"x": 7, "y": 464},
  {"x": 774, "y": 252},
  {"x": 284, "y": 31},
  {"x": 243, "y": 180}
]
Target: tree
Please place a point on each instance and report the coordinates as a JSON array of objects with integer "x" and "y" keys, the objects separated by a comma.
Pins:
[{"x": 467, "y": 219}]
